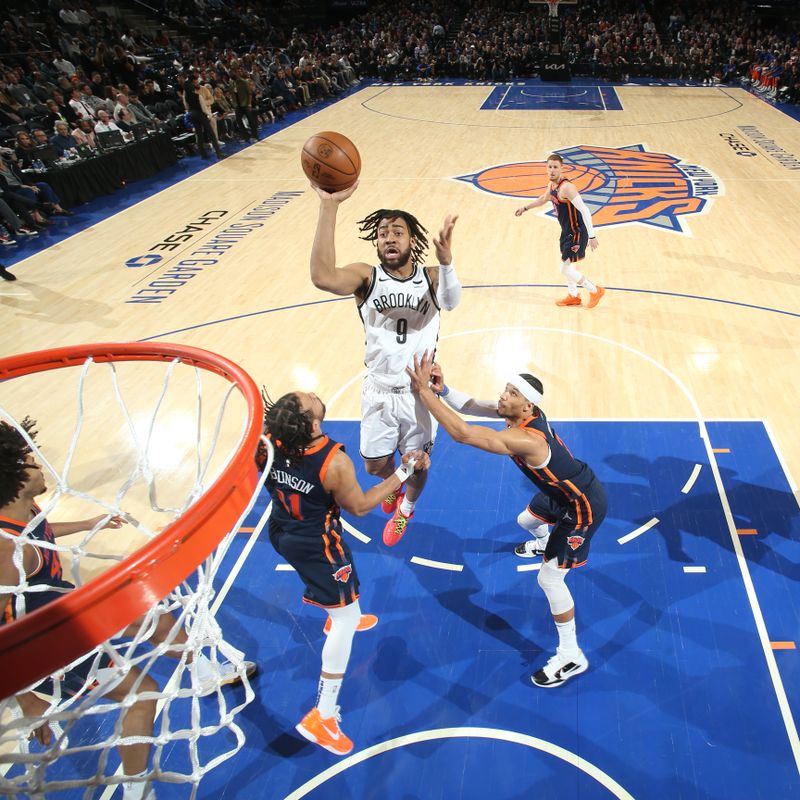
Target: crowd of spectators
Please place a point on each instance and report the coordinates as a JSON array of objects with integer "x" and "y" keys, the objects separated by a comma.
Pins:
[{"x": 71, "y": 71}]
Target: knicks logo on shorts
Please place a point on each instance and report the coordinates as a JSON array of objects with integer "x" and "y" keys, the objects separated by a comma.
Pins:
[
  {"x": 620, "y": 185},
  {"x": 343, "y": 573},
  {"x": 575, "y": 541}
]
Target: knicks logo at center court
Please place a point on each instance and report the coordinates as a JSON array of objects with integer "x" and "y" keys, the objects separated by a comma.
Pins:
[{"x": 619, "y": 185}]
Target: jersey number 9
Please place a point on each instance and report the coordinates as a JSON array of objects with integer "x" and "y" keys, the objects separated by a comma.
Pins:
[{"x": 402, "y": 330}]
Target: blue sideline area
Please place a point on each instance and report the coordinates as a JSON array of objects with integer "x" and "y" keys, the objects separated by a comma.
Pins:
[{"x": 678, "y": 700}]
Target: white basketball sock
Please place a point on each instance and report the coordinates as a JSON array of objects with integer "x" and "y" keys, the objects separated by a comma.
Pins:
[
  {"x": 573, "y": 277},
  {"x": 587, "y": 284},
  {"x": 567, "y": 639},
  {"x": 137, "y": 790},
  {"x": 407, "y": 507},
  {"x": 327, "y": 696}
]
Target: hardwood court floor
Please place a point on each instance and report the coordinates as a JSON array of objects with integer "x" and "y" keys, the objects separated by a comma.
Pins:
[
  {"x": 716, "y": 306},
  {"x": 702, "y": 310}
]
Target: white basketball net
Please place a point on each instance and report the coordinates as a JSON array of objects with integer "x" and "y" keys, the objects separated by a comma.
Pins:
[
  {"x": 553, "y": 7},
  {"x": 195, "y": 727}
]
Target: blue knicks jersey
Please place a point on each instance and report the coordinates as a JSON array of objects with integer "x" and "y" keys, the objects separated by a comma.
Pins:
[
  {"x": 47, "y": 570},
  {"x": 564, "y": 478},
  {"x": 571, "y": 221},
  {"x": 300, "y": 503}
]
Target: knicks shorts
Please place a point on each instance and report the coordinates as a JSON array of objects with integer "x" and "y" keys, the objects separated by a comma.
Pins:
[
  {"x": 573, "y": 247},
  {"x": 326, "y": 569},
  {"x": 393, "y": 419},
  {"x": 76, "y": 680},
  {"x": 569, "y": 538}
]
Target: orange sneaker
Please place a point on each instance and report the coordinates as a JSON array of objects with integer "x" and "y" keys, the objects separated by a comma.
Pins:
[
  {"x": 325, "y": 732},
  {"x": 366, "y": 622},
  {"x": 389, "y": 505},
  {"x": 569, "y": 300},
  {"x": 395, "y": 528},
  {"x": 595, "y": 298}
]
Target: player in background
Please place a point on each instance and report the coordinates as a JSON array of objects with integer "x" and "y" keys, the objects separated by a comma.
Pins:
[{"x": 576, "y": 231}]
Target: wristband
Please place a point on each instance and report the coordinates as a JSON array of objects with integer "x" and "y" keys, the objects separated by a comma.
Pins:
[
  {"x": 445, "y": 391},
  {"x": 405, "y": 471},
  {"x": 457, "y": 400}
]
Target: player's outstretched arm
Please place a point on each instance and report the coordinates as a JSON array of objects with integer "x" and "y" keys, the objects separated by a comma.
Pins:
[
  {"x": 324, "y": 273},
  {"x": 443, "y": 241},
  {"x": 341, "y": 481},
  {"x": 66, "y": 528},
  {"x": 508, "y": 442},
  {"x": 539, "y": 201},
  {"x": 460, "y": 401}
]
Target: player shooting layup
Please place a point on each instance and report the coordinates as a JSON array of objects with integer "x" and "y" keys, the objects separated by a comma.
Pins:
[{"x": 399, "y": 302}]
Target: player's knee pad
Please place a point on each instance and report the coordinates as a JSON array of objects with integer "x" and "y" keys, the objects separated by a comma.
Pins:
[
  {"x": 532, "y": 524},
  {"x": 339, "y": 642},
  {"x": 570, "y": 273},
  {"x": 551, "y": 579}
]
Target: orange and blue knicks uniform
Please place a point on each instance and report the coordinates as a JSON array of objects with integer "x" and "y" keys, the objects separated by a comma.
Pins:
[
  {"x": 571, "y": 498},
  {"x": 47, "y": 572},
  {"x": 305, "y": 528},
  {"x": 574, "y": 236}
]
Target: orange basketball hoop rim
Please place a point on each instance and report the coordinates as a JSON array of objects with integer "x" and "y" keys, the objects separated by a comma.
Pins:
[{"x": 40, "y": 643}]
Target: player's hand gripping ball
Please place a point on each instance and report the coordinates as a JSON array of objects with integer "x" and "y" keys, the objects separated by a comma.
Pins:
[{"x": 331, "y": 161}]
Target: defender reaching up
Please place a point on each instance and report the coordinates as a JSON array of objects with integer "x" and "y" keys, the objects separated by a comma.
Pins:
[{"x": 569, "y": 505}]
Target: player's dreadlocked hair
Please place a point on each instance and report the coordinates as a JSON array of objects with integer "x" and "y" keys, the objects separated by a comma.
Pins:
[
  {"x": 288, "y": 425},
  {"x": 13, "y": 451},
  {"x": 369, "y": 226}
]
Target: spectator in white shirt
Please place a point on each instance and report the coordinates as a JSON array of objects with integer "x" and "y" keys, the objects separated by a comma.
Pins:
[
  {"x": 69, "y": 17},
  {"x": 122, "y": 105},
  {"x": 61, "y": 63},
  {"x": 92, "y": 101},
  {"x": 105, "y": 123},
  {"x": 77, "y": 104}
]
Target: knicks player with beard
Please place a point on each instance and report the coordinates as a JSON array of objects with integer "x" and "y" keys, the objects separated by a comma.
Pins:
[
  {"x": 566, "y": 511},
  {"x": 399, "y": 301},
  {"x": 309, "y": 480}
]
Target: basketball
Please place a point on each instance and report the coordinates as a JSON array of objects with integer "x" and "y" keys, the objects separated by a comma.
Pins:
[{"x": 331, "y": 161}]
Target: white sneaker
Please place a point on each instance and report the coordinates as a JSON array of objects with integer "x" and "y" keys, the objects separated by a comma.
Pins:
[
  {"x": 532, "y": 548},
  {"x": 559, "y": 669},
  {"x": 138, "y": 790},
  {"x": 227, "y": 676}
]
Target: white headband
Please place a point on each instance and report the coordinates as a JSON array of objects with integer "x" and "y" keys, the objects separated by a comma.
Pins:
[{"x": 525, "y": 389}]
